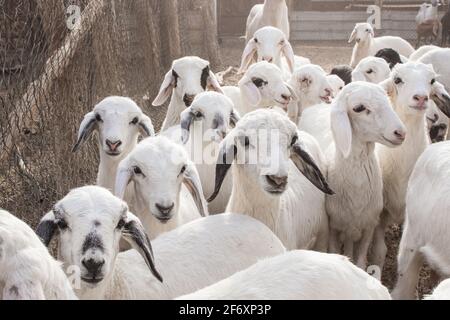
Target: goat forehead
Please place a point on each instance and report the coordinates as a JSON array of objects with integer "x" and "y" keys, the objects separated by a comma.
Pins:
[
  {"x": 264, "y": 69},
  {"x": 265, "y": 119},
  {"x": 269, "y": 35},
  {"x": 120, "y": 104},
  {"x": 189, "y": 64}
]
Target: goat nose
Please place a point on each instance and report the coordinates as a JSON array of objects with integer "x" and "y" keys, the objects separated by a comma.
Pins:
[
  {"x": 188, "y": 99},
  {"x": 268, "y": 59},
  {"x": 328, "y": 92},
  {"x": 164, "y": 209},
  {"x": 421, "y": 99},
  {"x": 93, "y": 266},
  {"x": 276, "y": 180},
  {"x": 113, "y": 145},
  {"x": 400, "y": 134},
  {"x": 286, "y": 97}
]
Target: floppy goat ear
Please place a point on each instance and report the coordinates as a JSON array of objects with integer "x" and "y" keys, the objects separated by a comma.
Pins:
[
  {"x": 247, "y": 56},
  {"x": 441, "y": 97},
  {"x": 307, "y": 166},
  {"x": 289, "y": 54},
  {"x": 250, "y": 91},
  {"x": 234, "y": 118},
  {"x": 23, "y": 290},
  {"x": 47, "y": 228},
  {"x": 192, "y": 182},
  {"x": 227, "y": 154},
  {"x": 133, "y": 232},
  {"x": 123, "y": 178},
  {"x": 146, "y": 127},
  {"x": 352, "y": 36},
  {"x": 186, "y": 118},
  {"x": 358, "y": 76},
  {"x": 341, "y": 126},
  {"x": 87, "y": 126},
  {"x": 212, "y": 83},
  {"x": 169, "y": 83}
]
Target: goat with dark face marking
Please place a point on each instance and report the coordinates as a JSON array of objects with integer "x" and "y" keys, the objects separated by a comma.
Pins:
[
  {"x": 118, "y": 122},
  {"x": 188, "y": 77},
  {"x": 161, "y": 184},
  {"x": 189, "y": 258}
]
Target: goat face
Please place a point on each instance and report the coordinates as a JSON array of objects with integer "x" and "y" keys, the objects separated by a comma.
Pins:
[
  {"x": 361, "y": 33},
  {"x": 311, "y": 81}
]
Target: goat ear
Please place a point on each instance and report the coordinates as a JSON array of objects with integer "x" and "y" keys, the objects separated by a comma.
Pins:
[
  {"x": 294, "y": 95},
  {"x": 352, "y": 36},
  {"x": 213, "y": 84},
  {"x": 227, "y": 154},
  {"x": 192, "y": 182},
  {"x": 166, "y": 89},
  {"x": 133, "y": 232},
  {"x": 308, "y": 167},
  {"x": 289, "y": 54},
  {"x": 341, "y": 126},
  {"x": 249, "y": 91},
  {"x": 441, "y": 97},
  {"x": 23, "y": 290},
  {"x": 358, "y": 76},
  {"x": 247, "y": 56},
  {"x": 186, "y": 118},
  {"x": 146, "y": 127},
  {"x": 123, "y": 178},
  {"x": 46, "y": 228},
  {"x": 87, "y": 126},
  {"x": 234, "y": 118}
]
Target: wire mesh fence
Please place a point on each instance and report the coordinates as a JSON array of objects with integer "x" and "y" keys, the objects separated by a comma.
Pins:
[{"x": 57, "y": 60}]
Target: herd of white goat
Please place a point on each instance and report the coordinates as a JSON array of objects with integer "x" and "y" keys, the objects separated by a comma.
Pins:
[{"x": 305, "y": 220}]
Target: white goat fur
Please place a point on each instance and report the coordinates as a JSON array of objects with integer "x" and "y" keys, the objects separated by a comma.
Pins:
[
  {"x": 441, "y": 292},
  {"x": 248, "y": 97},
  {"x": 425, "y": 233},
  {"x": 162, "y": 183},
  {"x": 361, "y": 116},
  {"x": 336, "y": 83},
  {"x": 416, "y": 55},
  {"x": 297, "y": 275},
  {"x": 368, "y": 45},
  {"x": 297, "y": 216},
  {"x": 371, "y": 69},
  {"x": 112, "y": 119},
  {"x": 272, "y": 13},
  {"x": 27, "y": 270},
  {"x": 189, "y": 258},
  {"x": 188, "y": 77}
]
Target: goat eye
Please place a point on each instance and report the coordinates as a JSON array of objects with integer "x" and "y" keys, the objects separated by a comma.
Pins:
[
  {"x": 135, "y": 121},
  {"x": 246, "y": 142},
  {"x": 198, "y": 115},
  {"x": 183, "y": 170},
  {"x": 258, "y": 82},
  {"x": 369, "y": 71},
  {"x": 367, "y": 30},
  {"x": 359, "y": 108},
  {"x": 282, "y": 42},
  {"x": 137, "y": 170},
  {"x": 433, "y": 81},
  {"x": 398, "y": 80},
  {"x": 121, "y": 224},
  {"x": 174, "y": 74},
  {"x": 294, "y": 140},
  {"x": 98, "y": 117},
  {"x": 256, "y": 40},
  {"x": 62, "y": 224}
]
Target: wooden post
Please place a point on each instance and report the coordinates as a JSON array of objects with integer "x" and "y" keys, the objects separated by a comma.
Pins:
[
  {"x": 211, "y": 34},
  {"x": 170, "y": 27}
]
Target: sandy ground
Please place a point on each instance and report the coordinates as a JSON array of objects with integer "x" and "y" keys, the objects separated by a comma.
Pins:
[{"x": 328, "y": 54}]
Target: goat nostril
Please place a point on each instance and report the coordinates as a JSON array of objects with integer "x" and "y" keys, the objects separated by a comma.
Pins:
[
  {"x": 113, "y": 145},
  {"x": 92, "y": 265},
  {"x": 188, "y": 99},
  {"x": 165, "y": 210},
  {"x": 285, "y": 97},
  {"x": 399, "y": 134},
  {"x": 278, "y": 181}
]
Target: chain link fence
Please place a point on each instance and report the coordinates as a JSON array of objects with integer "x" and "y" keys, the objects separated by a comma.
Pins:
[{"x": 58, "y": 58}]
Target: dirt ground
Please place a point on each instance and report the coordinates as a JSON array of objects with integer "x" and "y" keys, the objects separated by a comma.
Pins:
[{"x": 328, "y": 54}]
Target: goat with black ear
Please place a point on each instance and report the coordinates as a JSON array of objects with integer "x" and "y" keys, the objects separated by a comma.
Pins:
[
  {"x": 90, "y": 222},
  {"x": 118, "y": 122},
  {"x": 188, "y": 77},
  {"x": 277, "y": 178},
  {"x": 161, "y": 185}
]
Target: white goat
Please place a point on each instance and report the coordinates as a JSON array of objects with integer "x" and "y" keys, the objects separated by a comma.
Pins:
[
  {"x": 360, "y": 117},
  {"x": 267, "y": 150},
  {"x": 261, "y": 86},
  {"x": 311, "y": 86},
  {"x": 161, "y": 185},
  {"x": 118, "y": 122},
  {"x": 368, "y": 45},
  {"x": 297, "y": 275},
  {"x": 416, "y": 55},
  {"x": 27, "y": 270},
  {"x": 410, "y": 87},
  {"x": 272, "y": 13},
  {"x": 188, "y": 77},
  {"x": 371, "y": 69},
  {"x": 425, "y": 233},
  {"x": 271, "y": 44},
  {"x": 441, "y": 292},
  {"x": 336, "y": 83},
  {"x": 91, "y": 221}
]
